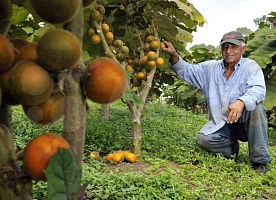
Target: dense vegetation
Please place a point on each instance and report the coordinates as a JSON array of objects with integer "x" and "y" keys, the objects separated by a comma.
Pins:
[{"x": 172, "y": 165}]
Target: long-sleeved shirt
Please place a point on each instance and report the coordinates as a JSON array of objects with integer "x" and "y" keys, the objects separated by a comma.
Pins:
[{"x": 245, "y": 83}]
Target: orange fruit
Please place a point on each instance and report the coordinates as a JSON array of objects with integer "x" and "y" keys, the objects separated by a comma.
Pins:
[
  {"x": 95, "y": 39},
  {"x": 59, "y": 49},
  {"x": 151, "y": 63},
  {"x": 39, "y": 151},
  {"x": 141, "y": 75},
  {"x": 107, "y": 81},
  {"x": 110, "y": 156},
  {"x": 160, "y": 62},
  {"x": 154, "y": 45},
  {"x": 151, "y": 55},
  {"x": 129, "y": 68},
  {"x": 118, "y": 157},
  {"x": 95, "y": 155},
  {"x": 130, "y": 157},
  {"x": 105, "y": 28},
  {"x": 92, "y": 31},
  {"x": 6, "y": 53},
  {"x": 162, "y": 45},
  {"x": 109, "y": 36},
  {"x": 49, "y": 111},
  {"x": 149, "y": 38},
  {"x": 18, "y": 43},
  {"x": 27, "y": 53},
  {"x": 147, "y": 47}
]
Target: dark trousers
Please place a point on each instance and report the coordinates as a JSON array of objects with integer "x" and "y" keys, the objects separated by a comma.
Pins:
[{"x": 251, "y": 127}]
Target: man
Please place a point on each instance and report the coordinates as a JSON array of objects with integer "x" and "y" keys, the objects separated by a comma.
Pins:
[{"x": 234, "y": 89}]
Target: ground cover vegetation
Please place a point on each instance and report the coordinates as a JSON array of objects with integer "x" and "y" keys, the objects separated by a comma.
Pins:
[{"x": 172, "y": 166}]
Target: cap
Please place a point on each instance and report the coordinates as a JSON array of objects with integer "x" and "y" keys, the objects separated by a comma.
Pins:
[{"x": 233, "y": 37}]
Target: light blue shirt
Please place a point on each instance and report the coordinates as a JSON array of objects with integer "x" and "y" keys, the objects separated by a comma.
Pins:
[{"x": 246, "y": 83}]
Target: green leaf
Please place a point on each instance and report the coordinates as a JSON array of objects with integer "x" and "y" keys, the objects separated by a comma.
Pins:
[
  {"x": 37, "y": 34},
  {"x": 183, "y": 6},
  {"x": 63, "y": 175},
  {"x": 270, "y": 100},
  {"x": 130, "y": 95},
  {"x": 19, "y": 14}
]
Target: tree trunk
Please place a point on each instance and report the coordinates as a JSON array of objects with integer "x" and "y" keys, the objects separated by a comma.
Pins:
[
  {"x": 75, "y": 110},
  {"x": 15, "y": 184},
  {"x": 106, "y": 111},
  {"x": 137, "y": 137}
]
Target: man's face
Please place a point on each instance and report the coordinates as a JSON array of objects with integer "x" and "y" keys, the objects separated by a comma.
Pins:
[{"x": 232, "y": 53}]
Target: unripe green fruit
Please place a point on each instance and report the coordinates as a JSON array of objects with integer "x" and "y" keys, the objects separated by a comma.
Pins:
[
  {"x": 125, "y": 50},
  {"x": 118, "y": 44},
  {"x": 95, "y": 16},
  {"x": 56, "y": 11}
]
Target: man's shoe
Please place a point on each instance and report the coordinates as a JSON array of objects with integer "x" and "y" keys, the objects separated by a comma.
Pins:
[{"x": 260, "y": 168}]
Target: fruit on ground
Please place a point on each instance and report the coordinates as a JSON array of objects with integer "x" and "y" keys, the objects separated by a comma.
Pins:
[
  {"x": 57, "y": 11},
  {"x": 7, "y": 96},
  {"x": 110, "y": 156},
  {"x": 18, "y": 43},
  {"x": 39, "y": 151},
  {"x": 59, "y": 49},
  {"x": 28, "y": 52},
  {"x": 30, "y": 83},
  {"x": 130, "y": 157},
  {"x": 118, "y": 157},
  {"x": 95, "y": 155},
  {"x": 49, "y": 111},
  {"x": 6, "y": 53},
  {"x": 106, "y": 82}
]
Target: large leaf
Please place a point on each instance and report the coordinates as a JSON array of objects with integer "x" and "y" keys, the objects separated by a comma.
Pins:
[
  {"x": 270, "y": 100},
  {"x": 183, "y": 6},
  {"x": 63, "y": 176},
  {"x": 263, "y": 55},
  {"x": 19, "y": 14}
]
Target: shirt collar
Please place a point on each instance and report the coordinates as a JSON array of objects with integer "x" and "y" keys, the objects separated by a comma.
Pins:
[{"x": 236, "y": 66}]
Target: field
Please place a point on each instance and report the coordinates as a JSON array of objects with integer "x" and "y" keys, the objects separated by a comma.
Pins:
[{"x": 172, "y": 165}]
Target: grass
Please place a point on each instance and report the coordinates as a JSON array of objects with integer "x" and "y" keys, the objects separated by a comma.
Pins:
[{"x": 172, "y": 165}]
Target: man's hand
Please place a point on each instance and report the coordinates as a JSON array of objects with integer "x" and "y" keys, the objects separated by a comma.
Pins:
[
  {"x": 235, "y": 111},
  {"x": 171, "y": 50}
]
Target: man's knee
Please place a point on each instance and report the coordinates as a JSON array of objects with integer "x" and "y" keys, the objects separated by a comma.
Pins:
[{"x": 203, "y": 141}]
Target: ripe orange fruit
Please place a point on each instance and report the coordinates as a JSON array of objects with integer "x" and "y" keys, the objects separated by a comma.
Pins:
[
  {"x": 129, "y": 68},
  {"x": 105, "y": 28},
  {"x": 27, "y": 53},
  {"x": 118, "y": 157},
  {"x": 6, "y": 53},
  {"x": 162, "y": 45},
  {"x": 154, "y": 45},
  {"x": 92, "y": 31},
  {"x": 49, "y": 111},
  {"x": 59, "y": 49},
  {"x": 109, "y": 36},
  {"x": 110, "y": 156},
  {"x": 160, "y": 62},
  {"x": 141, "y": 75},
  {"x": 151, "y": 55},
  {"x": 18, "y": 43},
  {"x": 147, "y": 47},
  {"x": 95, "y": 39},
  {"x": 151, "y": 63},
  {"x": 107, "y": 81},
  {"x": 30, "y": 83},
  {"x": 130, "y": 157},
  {"x": 39, "y": 151}
]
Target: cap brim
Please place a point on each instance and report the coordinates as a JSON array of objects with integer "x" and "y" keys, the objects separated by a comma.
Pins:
[{"x": 232, "y": 41}]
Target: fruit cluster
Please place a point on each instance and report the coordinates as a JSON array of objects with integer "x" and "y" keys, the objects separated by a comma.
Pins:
[
  {"x": 120, "y": 156},
  {"x": 149, "y": 59},
  {"x": 102, "y": 31}
]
